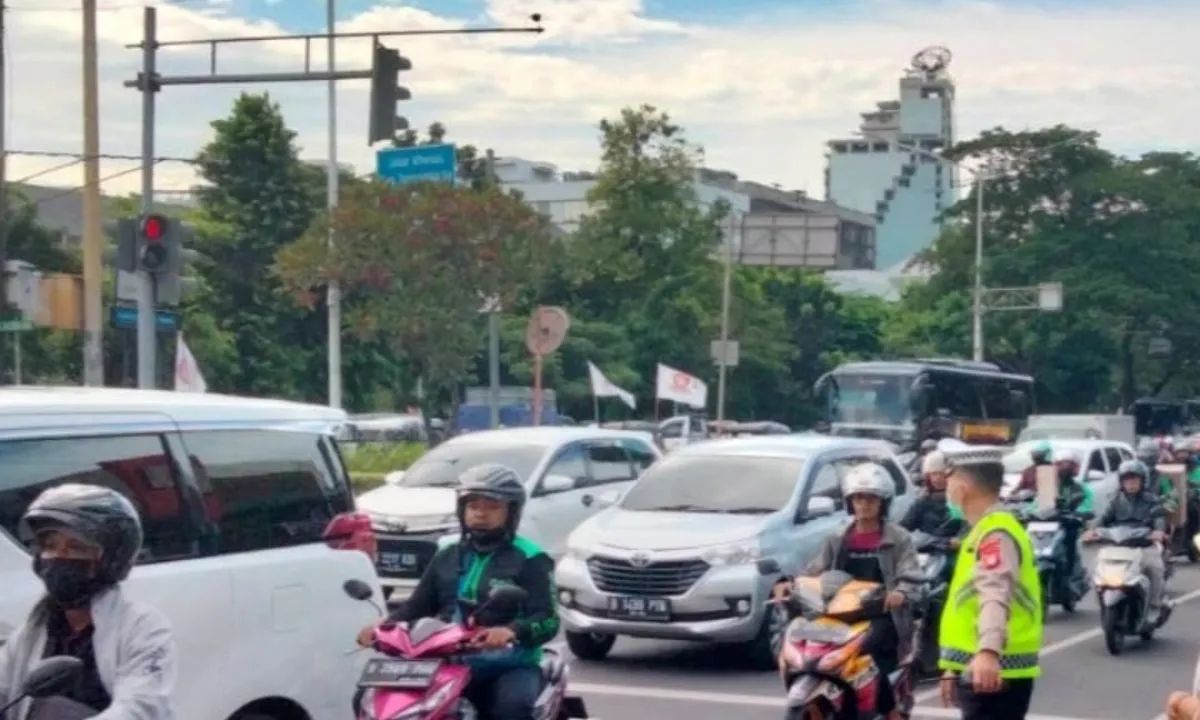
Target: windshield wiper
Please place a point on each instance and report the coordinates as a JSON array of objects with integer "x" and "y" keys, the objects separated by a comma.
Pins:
[
  {"x": 681, "y": 508},
  {"x": 752, "y": 510}
]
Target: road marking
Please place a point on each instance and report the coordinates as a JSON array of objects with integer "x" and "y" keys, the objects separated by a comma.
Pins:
[
  {"x": 1052, "y": 648},
  {"x": 929, "y": 713},
  {"x": 661, "y": 693}
]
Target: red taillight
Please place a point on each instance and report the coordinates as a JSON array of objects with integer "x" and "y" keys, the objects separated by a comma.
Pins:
[{"x": 352, "y": 531}]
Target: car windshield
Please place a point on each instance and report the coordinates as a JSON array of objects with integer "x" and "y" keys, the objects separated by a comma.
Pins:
[
  {"x": 442, "y": 466},
  {"x": 871, "y": 399},
  {"x": 716, "y": 484}
]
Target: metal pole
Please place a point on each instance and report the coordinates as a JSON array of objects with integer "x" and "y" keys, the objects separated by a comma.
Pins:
[
  {"x": 3, "y": 174},
  {"x": 93, "y": 231},
  {"x": 723, "y": 360},
  {"x": 334, "y": 299},
  {"x": 537, "y": 390},
  {"x": 17, "y": 357},
  {"x": 493, "y": 327},
  {"x": 977, "y": 308},
  {"x": 145, "y": 306},
  {"x": 494, "y": 364}
]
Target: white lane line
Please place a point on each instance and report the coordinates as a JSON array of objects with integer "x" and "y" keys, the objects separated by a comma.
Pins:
[
  {"x": 1052, "y": 648},
  {"x": 930, "y": 713},
  {"x": 661, "y": 693}
]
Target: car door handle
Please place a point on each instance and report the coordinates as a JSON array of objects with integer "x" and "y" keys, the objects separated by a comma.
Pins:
[{"x": 587, "y": 500}]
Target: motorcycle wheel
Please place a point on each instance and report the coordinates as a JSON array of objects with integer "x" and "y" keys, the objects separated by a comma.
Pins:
[
  {"x": 1193, "y": 554},
  {"x": 590, "y": 646},
  {"x": 1068, "y": 595},
  {"x": 1114, "y": 638},
  {"x": 1046, "y": 580},
  {"x": 819, "y": 710},
  {"x": 466, "y": 711}
]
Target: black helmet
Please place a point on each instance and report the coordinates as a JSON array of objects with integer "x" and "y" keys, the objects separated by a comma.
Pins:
[
  {"x": 98, "y": 515},
  {"x": 497, "y": 482}
]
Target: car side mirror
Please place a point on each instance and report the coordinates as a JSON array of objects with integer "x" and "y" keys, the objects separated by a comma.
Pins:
[
  {"x": 557, "y": 483},
  {"x": 52, "y": 676},
  {"x": 819, "y": 507}
]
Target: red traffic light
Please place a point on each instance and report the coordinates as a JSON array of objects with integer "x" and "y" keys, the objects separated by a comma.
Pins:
[{"x": 154, "y": 228}]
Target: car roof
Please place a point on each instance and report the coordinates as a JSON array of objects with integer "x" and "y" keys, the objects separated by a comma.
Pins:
[
  {"x": 547, "y": 435},
  {"x": 183, "y": 408},
  {"x": 799, "y": 445},
  {"x": 1076, "y": 443}
]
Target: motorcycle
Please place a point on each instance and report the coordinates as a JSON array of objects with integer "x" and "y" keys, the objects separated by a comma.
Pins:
[
  {"x": 1123, "y": 588},
  {"x": 827, "y": 673},
  {"x": 422, "y": 672},
  {"x": 933, "y": 558},
  {"x": 1048, "y": 534}
]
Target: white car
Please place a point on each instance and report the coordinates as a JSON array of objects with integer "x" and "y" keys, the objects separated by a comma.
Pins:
[
  {"x": 570, "y": 474},
  {"x": 1098, "y": 463},
  {"x": 249, "y": 535}
]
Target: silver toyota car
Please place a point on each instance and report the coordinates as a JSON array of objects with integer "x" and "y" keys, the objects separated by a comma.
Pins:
[{"x": 692, "y": 549}]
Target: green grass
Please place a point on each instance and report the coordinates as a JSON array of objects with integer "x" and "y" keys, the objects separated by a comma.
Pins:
[{"x": 369, "y": 463}]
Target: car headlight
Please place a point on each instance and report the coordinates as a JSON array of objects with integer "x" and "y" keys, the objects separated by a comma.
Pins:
[
  {"x": 382, "y": 522},
  {"x": 577, "y": 550},
  {"x": 743, "y": 553}
]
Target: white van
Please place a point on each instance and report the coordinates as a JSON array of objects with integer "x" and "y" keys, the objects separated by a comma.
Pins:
[{"x": 249, "y": 526}]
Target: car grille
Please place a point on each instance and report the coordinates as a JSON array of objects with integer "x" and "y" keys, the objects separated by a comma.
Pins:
[
  {"x": 418, "y": 550},
  {"x": 674, "y": 577}
]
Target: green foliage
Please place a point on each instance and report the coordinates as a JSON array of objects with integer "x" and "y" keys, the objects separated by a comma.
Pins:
[{"x": 381, "y": 457}]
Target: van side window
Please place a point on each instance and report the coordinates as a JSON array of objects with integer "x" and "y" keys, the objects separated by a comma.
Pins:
[
  {"x": 137, "y": 466},
  {"x": 265, "y": 489},
  {"x": 643, "y": 456}
]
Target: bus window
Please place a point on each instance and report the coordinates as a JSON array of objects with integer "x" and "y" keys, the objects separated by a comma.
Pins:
[
  {"x": 872, "y": 400},
  {"x": 957, "y": 394},
  {"x": 998, "y": 400}
]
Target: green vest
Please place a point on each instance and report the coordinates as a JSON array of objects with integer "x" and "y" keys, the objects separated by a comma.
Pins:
[{"x": 958, "y": 636}]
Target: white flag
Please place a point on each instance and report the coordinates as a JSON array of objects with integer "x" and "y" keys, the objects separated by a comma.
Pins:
[
  {"x": 603, "y": 387},
  {"x": 187, "y": 372},
  {"x": 680, "y": 387}
]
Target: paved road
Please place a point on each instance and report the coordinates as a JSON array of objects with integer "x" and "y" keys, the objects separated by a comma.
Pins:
[{"x": 650, "y": 679}]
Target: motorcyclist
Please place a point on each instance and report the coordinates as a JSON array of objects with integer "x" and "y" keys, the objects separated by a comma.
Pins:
[
  {"x": 928, "y": 445},
  {"x": 84, "y": 540},
  {"x": 1136, "y": 506},
  {"x": 1149, "y": 453},
  {"x": 1074, "y": 498},
  {"x": 930, "y": 513},
  {"x": 1041, "y": 454},
  {"x": 871, "y": 549},
  {"x": 505, "y": 675}
]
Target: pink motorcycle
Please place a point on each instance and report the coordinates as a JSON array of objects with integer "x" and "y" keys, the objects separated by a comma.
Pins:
[{"x": 422, "y": 674}]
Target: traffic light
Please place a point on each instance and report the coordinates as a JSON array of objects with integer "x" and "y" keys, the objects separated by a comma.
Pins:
[
  {"x": 386, "y": 91},
  {"x": 152, "y": 248}
]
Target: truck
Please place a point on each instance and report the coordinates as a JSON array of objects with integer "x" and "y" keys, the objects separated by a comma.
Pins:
[{"x": 1118, "y": 428}]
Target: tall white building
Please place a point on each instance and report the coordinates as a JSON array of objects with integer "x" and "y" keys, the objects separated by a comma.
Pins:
[{"x": 888, "y": 170}]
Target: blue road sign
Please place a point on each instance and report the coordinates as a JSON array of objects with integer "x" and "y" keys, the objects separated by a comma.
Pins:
[
  {"x": 413, "y": 164},
  {"x": 124, "y": 316}
]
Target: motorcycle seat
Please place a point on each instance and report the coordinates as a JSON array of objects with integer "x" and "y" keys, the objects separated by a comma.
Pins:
[{"x": 553, "y": 666}]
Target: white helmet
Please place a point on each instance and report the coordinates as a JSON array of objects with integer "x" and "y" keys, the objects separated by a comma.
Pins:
[
  {"x": 1066, "y": 455},
  {"x": 868, "y": 479},
  {"x": 934, "y": 462}
]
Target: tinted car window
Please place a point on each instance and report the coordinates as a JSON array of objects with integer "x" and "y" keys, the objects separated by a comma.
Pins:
[
  {"x": 1113, "y": 456},
  {"x": 641, "y": 454},
  {"x": 137, "y": 466},
  {"x": 717, "y": 484},
  {"x": 442, "y": 466},
  {"x": 827, "y": 483},
  {"x": 265, "y": 489},
  {"x": 1097, "y": 462},
  {"x": 609, "y": 463},
  {"x": 571, "y": 463}
]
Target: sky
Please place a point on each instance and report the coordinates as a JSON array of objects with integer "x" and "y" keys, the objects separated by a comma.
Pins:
[{"x": 761, "y": 85}]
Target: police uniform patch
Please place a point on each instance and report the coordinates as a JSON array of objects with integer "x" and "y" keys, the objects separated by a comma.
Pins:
[{"x": 990, "y": 553}]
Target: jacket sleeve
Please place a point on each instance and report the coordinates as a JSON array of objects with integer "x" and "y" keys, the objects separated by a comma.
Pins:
[
  {"x": 1158, "y": 516},
  {"x": 912, "y": 518},
  {"x": 144, "y": 685},
  {"x": 539, "y": 623},
  {"x": 906, "y": 563},
  {"x": 1087, "y": 505},
  {"x": 424, "y": 600},
  {"x": 1110, "y": 514},
  {"x": 6, "y": 668},
  {"x": 826, "y": 556}
]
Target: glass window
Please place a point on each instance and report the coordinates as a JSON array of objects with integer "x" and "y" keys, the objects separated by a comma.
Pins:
[
  {"x": 957, "y": 394},
  {"x": 827, "y": 483},
  {"x": 137, "y": 466},
  {"x": 643, "y": 457},
  {"x": 265, "y": 489},
  {"x": 1113, "y": 456},
  {"x": 871, "y": 399},
  {"x": 673, "y": 429},
  {"x": 997, "y": 400},
  {"x": 442, "y": 466},
  {"x": 609, "y": 463},
  {"x": 1096, "y": 462},
  {"x": 572, "y": 463},
  {"x": 716, "y": 484}
]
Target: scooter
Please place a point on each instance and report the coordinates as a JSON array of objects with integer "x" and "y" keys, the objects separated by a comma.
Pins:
[
  {"x": 48, "y": 678},
  {"x": 422, "y": 673},
  {"x": 827, "y": 673},
  {"x": 933, "y": 557},
  {"x": 1048, "y": 534},
  {"x": 1123, "y": 588}
]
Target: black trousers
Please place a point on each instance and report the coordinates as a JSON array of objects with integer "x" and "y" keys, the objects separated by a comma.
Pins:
[
  {"x": 1011, "y": 703},
  {"x": 883, "y": 645}
]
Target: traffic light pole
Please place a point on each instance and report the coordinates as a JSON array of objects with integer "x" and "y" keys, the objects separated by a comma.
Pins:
[{"x": 146, "y": 339}]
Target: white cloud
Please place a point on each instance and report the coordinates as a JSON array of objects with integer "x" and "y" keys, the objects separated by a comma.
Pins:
[{"x": 762, "y": 95}]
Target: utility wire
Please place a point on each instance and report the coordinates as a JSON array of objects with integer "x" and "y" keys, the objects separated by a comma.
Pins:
[
  {"x": 47, "y": 171},
  {"x": 103, "y": 156},
  {"x": 74, "y": 190}
]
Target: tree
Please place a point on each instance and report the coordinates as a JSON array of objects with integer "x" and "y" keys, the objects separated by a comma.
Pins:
[
  {"x": 258, "y": 198},
  {"x": 415, "y": 262}
]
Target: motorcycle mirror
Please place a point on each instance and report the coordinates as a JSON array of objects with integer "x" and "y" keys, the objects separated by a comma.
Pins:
[
  {"x": 52, "y": 676},
  {"x": 358, "y": 589}
]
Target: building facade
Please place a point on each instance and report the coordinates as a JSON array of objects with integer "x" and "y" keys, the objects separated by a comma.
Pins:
[{"x": 890, "y": 168}]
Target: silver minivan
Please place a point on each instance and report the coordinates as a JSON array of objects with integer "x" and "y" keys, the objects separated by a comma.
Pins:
[{"x": 692, "y": 549}]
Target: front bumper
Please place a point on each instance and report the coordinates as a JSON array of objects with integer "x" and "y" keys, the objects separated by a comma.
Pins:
[{"x": 726, "y": 604}]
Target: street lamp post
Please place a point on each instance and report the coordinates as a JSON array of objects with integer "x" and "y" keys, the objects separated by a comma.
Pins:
[
  {"x": 977, "y": 305},
  {"x": 723, "y": 360}
]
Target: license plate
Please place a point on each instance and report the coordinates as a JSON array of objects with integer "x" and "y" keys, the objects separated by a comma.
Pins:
[
  {"x": 388, "y": 673},
  {"x": 640, "y": 608},
  {"x": 398, "y": 561}
]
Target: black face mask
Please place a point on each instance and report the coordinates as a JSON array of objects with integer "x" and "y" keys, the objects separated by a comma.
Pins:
[
  {"x": 487, "y": 540},
  {"x": 71, "y": 583}
]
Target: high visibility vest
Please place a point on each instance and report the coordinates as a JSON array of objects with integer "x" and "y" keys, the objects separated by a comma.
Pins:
[{"x": 958, "y": 636}]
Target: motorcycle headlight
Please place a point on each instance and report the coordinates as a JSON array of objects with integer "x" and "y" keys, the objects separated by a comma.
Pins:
[{"x": 743, "y": 553}]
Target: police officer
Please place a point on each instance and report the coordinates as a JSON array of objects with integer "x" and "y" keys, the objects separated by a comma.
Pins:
[{"x": 991, "y": 627}]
